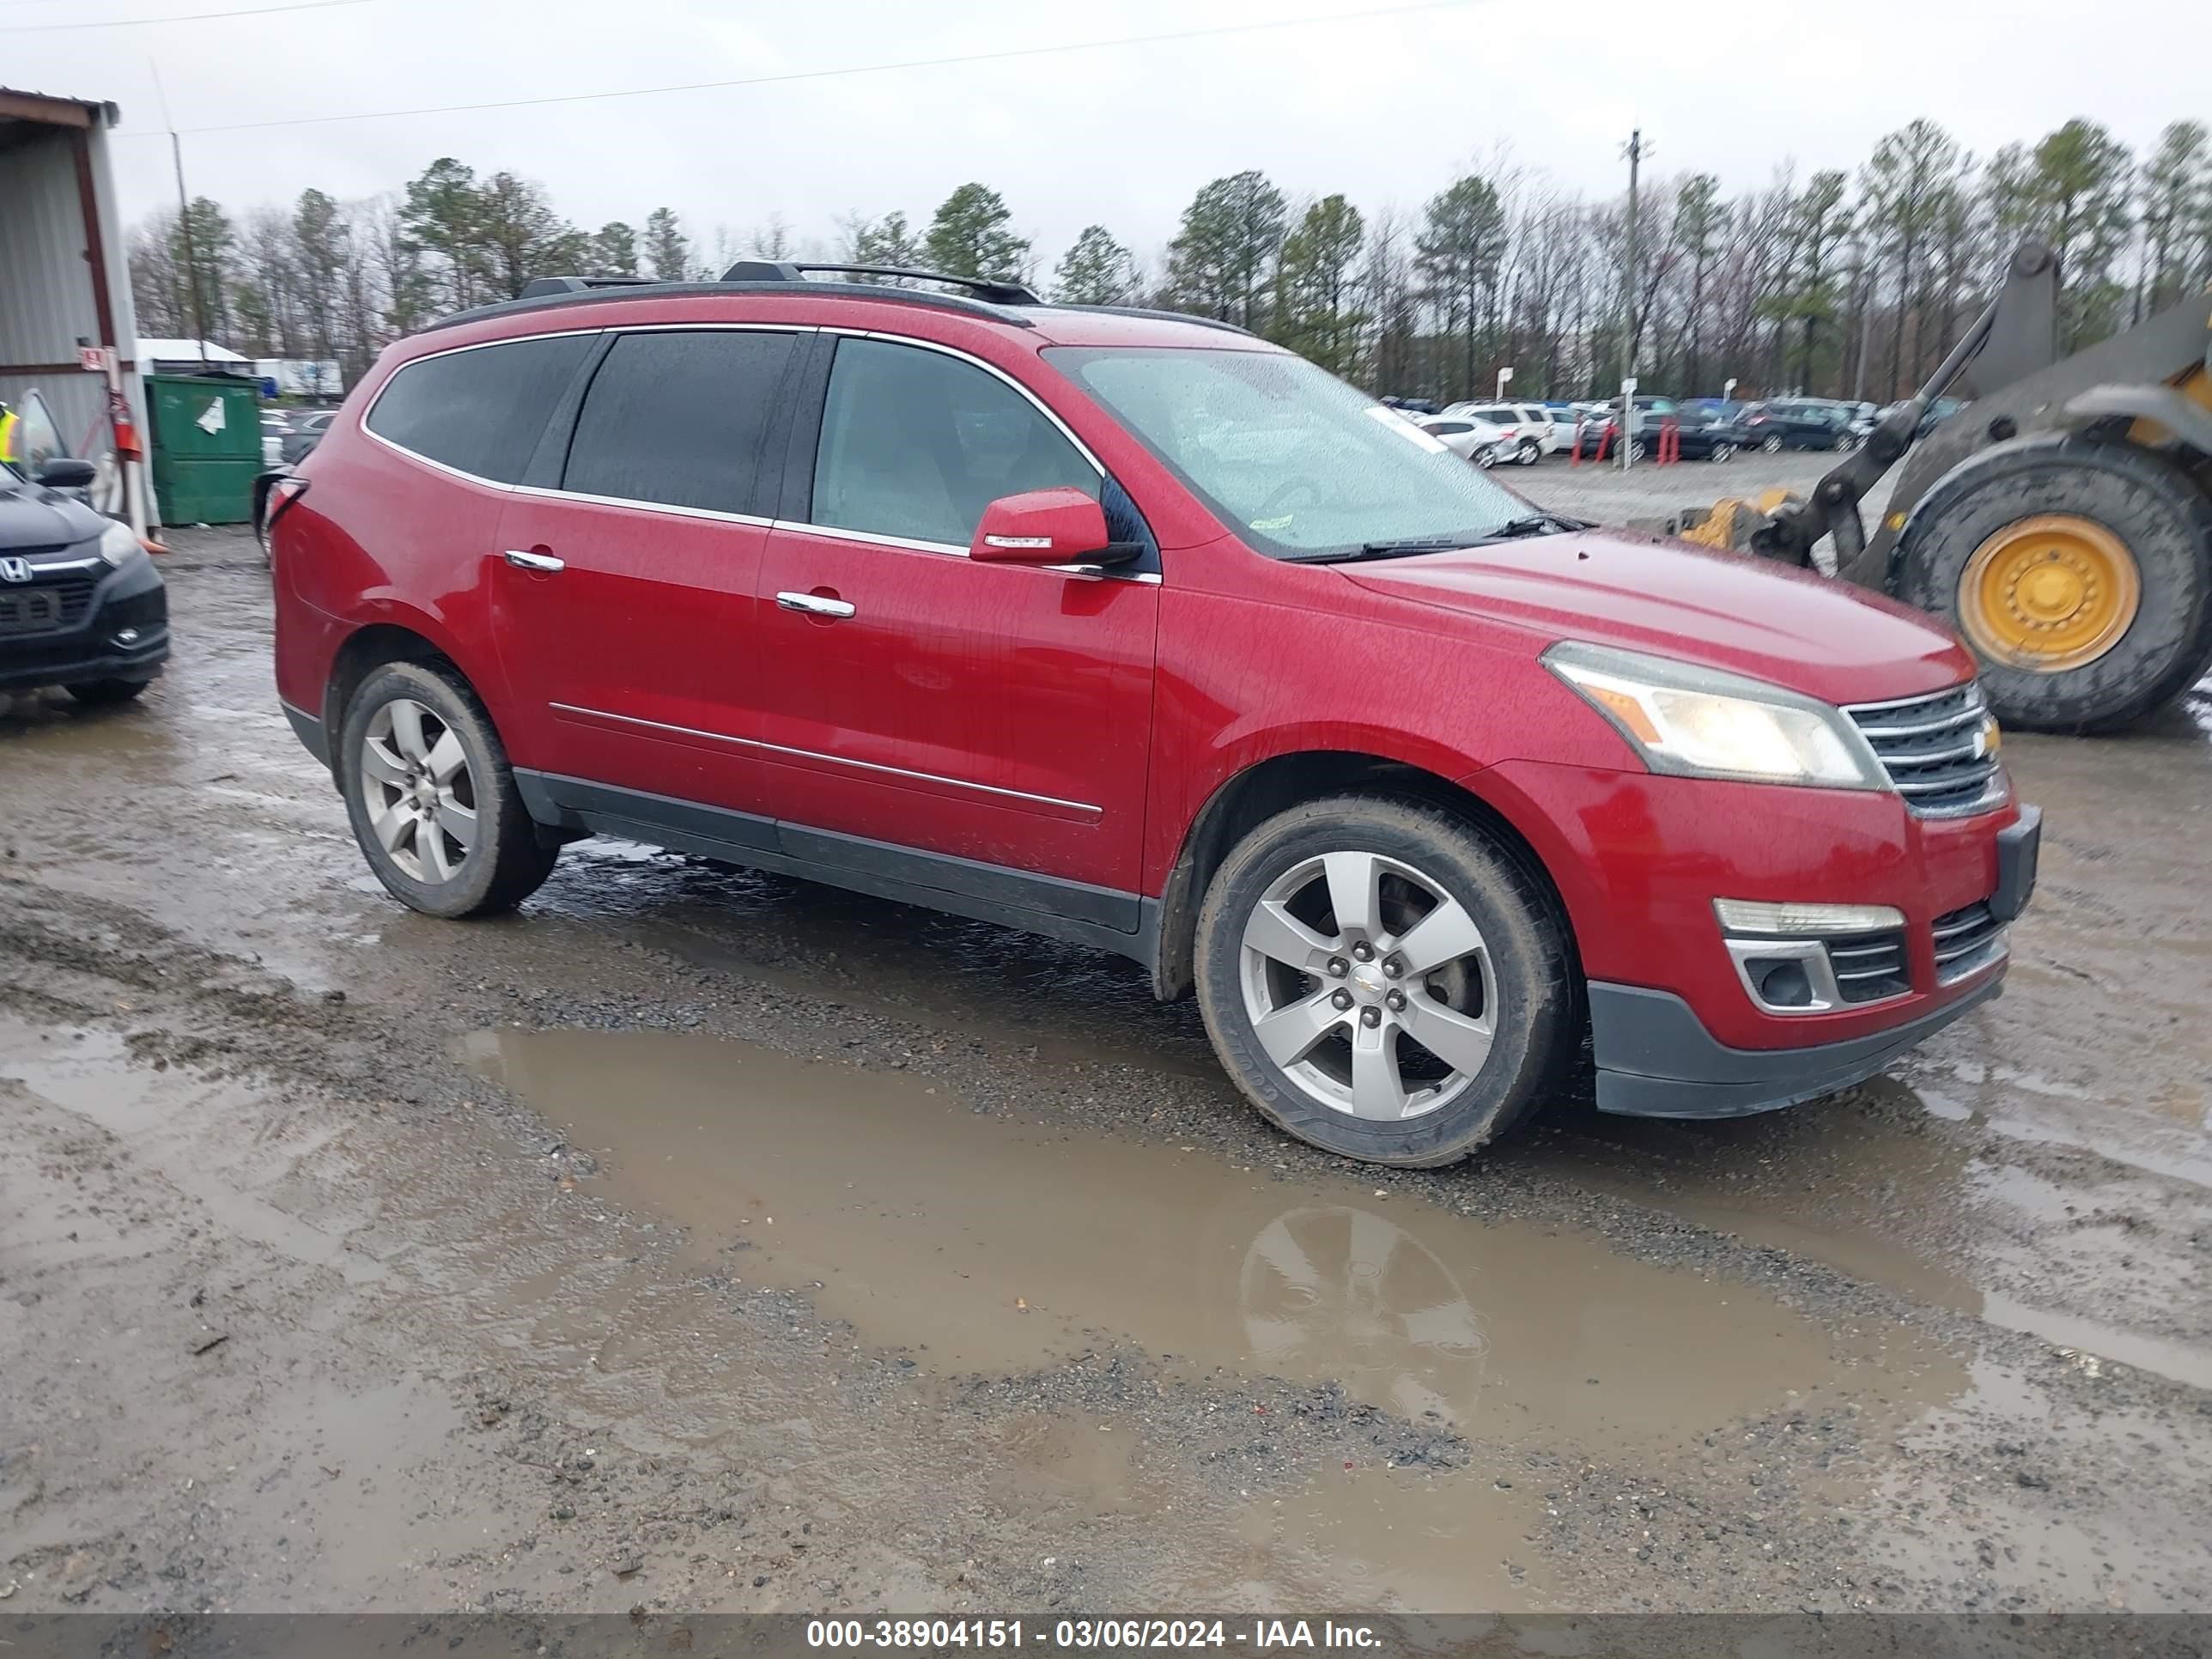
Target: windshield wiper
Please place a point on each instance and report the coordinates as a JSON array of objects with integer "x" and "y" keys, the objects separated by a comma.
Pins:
[
  {"x": 1397, "y": 550},
  {"x": 1536, "y": 524}
]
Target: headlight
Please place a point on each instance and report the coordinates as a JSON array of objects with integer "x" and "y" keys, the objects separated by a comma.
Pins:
[
  {"x": 1700, "y": 722},
  {"x": 117, "y": 543}
]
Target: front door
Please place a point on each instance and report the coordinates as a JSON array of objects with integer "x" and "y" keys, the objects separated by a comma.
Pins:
[
  {"x": 627, "y": 620},
  {"x": 913, "y": 699}
]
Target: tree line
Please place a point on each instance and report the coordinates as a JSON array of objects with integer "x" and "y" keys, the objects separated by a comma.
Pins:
[{"x": 1852, "y": 283}]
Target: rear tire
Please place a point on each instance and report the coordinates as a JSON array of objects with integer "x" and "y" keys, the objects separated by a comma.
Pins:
[
  {"x": 103, "y": 694},
  {"x": 1529, "y": 453},
  {"x": 1770, "y": 446},
  {"x": 2160, "y": 515},
  {"x": 431, "y": 796},
  {"x": 1491, "y": 987},
  {"x": 1721, "y": 453}
]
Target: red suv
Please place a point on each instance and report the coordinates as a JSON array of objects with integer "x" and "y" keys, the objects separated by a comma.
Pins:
[{"x": 1133, "y": 629}]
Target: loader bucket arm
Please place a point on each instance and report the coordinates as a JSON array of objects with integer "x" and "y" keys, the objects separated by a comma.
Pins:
[{"x": 2015, "y": 336}]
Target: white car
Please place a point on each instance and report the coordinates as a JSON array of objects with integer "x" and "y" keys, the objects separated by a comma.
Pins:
[
  {"x": 1526, "y": 432},
  {"x": 1477, "y": 440}
]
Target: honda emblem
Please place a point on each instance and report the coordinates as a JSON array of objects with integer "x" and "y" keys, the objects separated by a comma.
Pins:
[{"x": 14, "y": 570}]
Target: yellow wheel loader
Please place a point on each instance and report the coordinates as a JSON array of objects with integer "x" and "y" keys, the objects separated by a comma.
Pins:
[{"x": 2061, "y": 521}]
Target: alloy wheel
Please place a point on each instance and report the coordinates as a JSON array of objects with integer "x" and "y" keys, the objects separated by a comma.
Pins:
[
  {"x": 421, "y": 794},
  {"x": 1368, "y": 986}
]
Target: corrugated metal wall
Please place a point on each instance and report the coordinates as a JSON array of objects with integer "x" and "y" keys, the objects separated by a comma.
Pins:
[{"x": 46, "y": 284}]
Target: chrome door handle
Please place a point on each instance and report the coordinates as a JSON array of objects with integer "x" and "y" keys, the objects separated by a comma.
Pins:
[
  {"x": 542, "y": 563},
  {"x": 814, "y": 604}
]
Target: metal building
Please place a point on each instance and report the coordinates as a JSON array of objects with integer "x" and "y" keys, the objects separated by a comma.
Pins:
[{"x": 64, "y": 276}]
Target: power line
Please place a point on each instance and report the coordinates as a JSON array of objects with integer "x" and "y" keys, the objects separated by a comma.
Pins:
[
  {"x": 857, "y": 69},
  {"x": 183, "y": 17}
]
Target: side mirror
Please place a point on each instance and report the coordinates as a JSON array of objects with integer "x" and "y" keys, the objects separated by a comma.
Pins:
[
  {"x": 64, "y": 472},
  {"x": 1061, "y": 525}
]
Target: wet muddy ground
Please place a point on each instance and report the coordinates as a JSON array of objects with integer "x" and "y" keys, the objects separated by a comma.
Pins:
[{"x": 700, "y": 1239}]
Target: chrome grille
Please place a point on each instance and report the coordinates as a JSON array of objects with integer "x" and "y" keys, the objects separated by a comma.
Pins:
[
  {"x": 1869, "y": 966},
  {"x": 1966, "y": 941},
  {"x": 46, "y": 605},
  {"x": 1935, "y": 750}
]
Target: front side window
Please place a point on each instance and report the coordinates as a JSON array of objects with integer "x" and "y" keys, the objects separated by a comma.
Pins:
[
  {"x": 1282, "y": 451},
  {"x": 481, "y": 411},
  {"x": 683, "y": 419},
  {"x": 916, "y": 444}
]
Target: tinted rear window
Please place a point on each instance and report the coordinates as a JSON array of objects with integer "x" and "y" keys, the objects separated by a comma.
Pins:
[
  {"x": 684, "y": 419},
  {"x": 482, "y": 409}
]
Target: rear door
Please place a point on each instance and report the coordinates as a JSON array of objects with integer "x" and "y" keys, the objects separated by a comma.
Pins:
[
  {"x": 916, "y": 702},
  {"x": 626, "y": 607}
]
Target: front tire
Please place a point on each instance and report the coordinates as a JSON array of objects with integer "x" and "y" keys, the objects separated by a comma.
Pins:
[
  {"x": 431, "y": 796},
  {"x": 1721, "y": 454},
  {"x": 1486, "y": 457},
  {"x": 2079, "y": 573},
  {"x": 1770, "y": 446},
  {"x": 1384, "y": 978}
]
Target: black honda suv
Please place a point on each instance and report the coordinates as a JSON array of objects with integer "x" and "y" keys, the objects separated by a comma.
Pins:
[{"x": 81, "y": 604}]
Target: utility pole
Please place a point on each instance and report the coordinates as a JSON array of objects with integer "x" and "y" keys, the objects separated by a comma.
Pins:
[
  {"x": 191, "y": 257},
  {"x": 1631, "y": 345},
  {"x": 184, "y": 217}
]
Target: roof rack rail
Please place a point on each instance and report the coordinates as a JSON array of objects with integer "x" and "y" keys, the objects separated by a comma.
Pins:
[
  {"x": 539, "y": 287},
  {"x": 996, "y": 290},
  {"x": 1155, "y": 313},
  {"x": 555, "y": 293}
]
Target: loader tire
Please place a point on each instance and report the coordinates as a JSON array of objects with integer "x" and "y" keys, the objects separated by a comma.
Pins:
[{"x": 2079, "y": 573}]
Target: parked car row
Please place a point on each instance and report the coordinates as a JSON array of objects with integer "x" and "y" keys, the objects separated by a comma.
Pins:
[
  {"x": 288, "y": 434},
  {"x": 1703, "y": 429}
]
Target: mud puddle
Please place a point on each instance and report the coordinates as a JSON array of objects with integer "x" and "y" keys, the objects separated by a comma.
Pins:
[
  {"x": 981, "y": 1245},
  {"x": 1845, "y": 1184}
]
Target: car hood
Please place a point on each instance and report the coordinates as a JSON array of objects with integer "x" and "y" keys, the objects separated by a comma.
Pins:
[
  {"x": 33, "y": 518},
  {"x": 1726, "y": 610}
]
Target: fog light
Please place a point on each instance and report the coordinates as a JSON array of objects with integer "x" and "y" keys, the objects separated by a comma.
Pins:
[
  {"x": 1761, "y": 916},
  {"x": 126, "y": 636},
  {"x": 1780, "y": 982}
]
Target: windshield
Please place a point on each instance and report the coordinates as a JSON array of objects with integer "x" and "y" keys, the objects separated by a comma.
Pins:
[{"x": 1293, "y": 459}]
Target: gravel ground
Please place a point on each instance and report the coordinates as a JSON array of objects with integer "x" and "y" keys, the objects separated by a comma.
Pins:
[{"x": 698, "y": 1239}]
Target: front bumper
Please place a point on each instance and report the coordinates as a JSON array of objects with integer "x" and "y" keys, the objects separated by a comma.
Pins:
[
  {"x": 88, "y": 648},
  {"x": 1655, "y": 1059}
]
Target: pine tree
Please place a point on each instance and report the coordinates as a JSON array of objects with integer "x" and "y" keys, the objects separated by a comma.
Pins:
[
  {"x": 2177, "y": 210},
  {"x": 2082, "y": 180},
  {"x": 1457, "y": 255},
  {"x": 443, "y": 215},
  {"x": 968, "y": 236},
  {"x": 614, "y": 250},
  {"x": 1221, "y": 260},
  {"x": 1699, "y": 219},
  {"x": 667, "y": 250},
  {"x": 1096, "y": 271},
  {"x": 1314, "y": 312}
]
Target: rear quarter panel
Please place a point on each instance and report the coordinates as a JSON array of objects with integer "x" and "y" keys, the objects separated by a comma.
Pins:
[{"x": 382, "y": 537}]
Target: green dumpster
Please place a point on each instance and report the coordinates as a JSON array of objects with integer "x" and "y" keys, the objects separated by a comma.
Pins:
[{"x": 207, "y": 446}]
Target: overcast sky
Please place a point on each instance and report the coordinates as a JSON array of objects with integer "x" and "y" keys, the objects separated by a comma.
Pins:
[{"x": 1387, "y": 108}]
